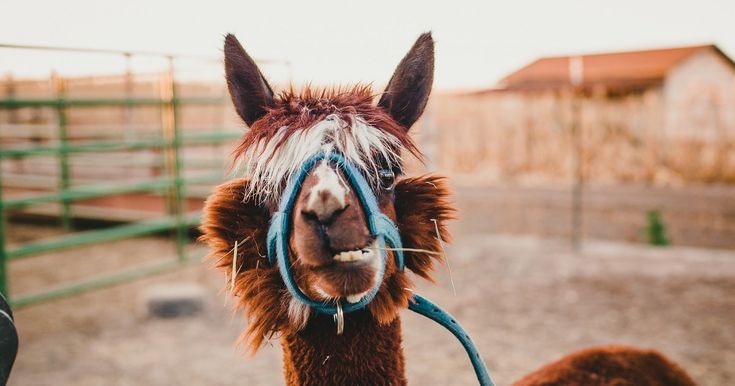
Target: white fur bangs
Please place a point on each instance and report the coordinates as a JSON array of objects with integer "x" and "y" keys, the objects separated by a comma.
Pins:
[{"x": 268, "y": 165}]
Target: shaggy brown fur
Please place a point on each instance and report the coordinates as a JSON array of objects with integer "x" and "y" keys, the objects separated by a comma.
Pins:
[
  {"x": 258, "y": 285},
  {"x": 418, "y": 201},
  {"x": 367, "y": 353},
  {"x": 609, "y": 366},
  {"x": 299, "y": 111}
]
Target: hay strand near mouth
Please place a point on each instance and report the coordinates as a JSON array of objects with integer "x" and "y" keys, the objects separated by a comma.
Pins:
[
  {"x": 234, "y": 266},
  {"x": 444, "y": 255},
  {"x": 406, "y": 250},
  {"x": 241, "y": 242}
]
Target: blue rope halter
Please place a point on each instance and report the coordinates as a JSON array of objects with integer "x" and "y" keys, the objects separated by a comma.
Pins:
[
  {"x": 383, "y": 229},
  {"x": 379, "y": 224}
]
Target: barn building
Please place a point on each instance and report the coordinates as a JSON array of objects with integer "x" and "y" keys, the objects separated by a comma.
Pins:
[
  {"x": 695, "y": 84},
  {"x": 657, "y": 116}
]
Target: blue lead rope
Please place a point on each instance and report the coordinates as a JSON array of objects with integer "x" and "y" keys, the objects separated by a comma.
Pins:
[
  {"x": 423, "y": 306},
  {"x": 385, "y": 231}
]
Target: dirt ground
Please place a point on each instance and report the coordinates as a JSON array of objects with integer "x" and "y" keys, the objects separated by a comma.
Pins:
[{"x": 524, "y": 300}]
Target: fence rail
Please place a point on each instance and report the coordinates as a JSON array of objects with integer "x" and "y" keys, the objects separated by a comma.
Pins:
[{"x": 172, "y": 185}]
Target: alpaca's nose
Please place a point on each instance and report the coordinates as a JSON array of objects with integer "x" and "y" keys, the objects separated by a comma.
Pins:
[
  {"x": 327, "y": 199},
  {"x": 324, "y": 207}
]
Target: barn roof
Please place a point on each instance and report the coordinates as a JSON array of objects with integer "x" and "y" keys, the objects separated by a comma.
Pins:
[{"x": 615, "y": 70}]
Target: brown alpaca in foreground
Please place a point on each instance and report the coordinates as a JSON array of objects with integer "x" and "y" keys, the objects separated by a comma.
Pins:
[
  {"x": 332, "y": 252},
  {"x": 609, "y": 366}
]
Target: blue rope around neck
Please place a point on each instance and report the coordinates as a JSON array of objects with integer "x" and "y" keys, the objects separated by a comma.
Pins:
[{"x": 384, "y": 230}]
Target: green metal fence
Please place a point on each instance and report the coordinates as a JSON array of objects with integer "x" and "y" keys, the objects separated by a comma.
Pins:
[{"x": 172, "y": 186}]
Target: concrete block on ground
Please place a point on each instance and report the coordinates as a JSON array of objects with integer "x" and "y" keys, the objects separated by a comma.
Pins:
[{"x": 174, "y": 300}]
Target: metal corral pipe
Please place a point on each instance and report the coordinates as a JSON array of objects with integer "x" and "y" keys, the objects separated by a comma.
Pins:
[
  {"x": 103, "y": 235},
  {"x": 97, "y": 282},
  {"x": 63, "y": 156},
  {"x": 87, "y": 192},
  {"x": 171, "y": 146},
  {"x": 194, "y": 139},
  {"x": 205, "y": 58},
  {"x": 98, "y": 102},
  {"x": 182, "y": 237}
]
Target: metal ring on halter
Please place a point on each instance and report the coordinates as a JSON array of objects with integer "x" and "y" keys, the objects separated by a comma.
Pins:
[{"x": 339, "y": 319}]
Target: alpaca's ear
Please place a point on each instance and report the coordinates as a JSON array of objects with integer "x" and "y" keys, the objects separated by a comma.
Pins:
[
  {"x": 409, "y": 88},
  {"x": 249, "y": 90},
  {"x": 423, "y": 206}
]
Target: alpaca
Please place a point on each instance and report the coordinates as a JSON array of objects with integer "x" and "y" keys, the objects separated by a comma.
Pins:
[
  {"x": 609, "y": 366},
  {"x": 332, "y": 254}
]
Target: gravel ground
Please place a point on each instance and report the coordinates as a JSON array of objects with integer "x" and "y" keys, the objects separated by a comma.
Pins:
[{"x": 524, "y": 300}]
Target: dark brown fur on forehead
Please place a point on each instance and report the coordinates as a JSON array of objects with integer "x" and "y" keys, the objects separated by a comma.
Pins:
[
  {"x": 302, "y": 110},
  {"x": 259, "y": 289}
]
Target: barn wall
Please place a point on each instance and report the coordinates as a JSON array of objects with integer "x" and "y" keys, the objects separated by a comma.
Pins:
[
  {"x": 527, "y": 138},
  {"x": 699, "y": 97}
]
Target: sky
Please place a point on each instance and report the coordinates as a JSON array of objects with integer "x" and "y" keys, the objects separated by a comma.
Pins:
[{"x": 343, "y": 42}]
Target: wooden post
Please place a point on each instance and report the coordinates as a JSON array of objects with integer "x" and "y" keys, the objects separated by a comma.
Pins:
[
  {"x": 576, "y": 74},
  {"x": 10, "y": 94},
  {"x": 129, "y": 84}
]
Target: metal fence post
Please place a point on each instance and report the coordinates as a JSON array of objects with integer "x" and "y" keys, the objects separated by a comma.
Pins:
[
  {"x": 64, "y": 175},
  {"x": 576, "y": 77},
  {"x": 577, "y": 166},
  {"x": 129, "y": 90},
  {"x": 173, "y": 157}
]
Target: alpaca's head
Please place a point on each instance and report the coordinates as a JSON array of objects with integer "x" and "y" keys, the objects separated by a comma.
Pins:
[{"x": 332, "y": 252}]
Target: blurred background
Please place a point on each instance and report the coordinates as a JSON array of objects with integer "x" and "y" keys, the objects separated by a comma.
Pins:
[{"x": 590, "y": 145}]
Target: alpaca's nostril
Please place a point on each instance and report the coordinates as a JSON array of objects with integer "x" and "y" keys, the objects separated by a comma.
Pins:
[
  {"x": 309, "y": 215},
  {"x": 323, "y": 217}
]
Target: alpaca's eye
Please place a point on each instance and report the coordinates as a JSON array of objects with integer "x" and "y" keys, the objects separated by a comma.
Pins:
[{"x": 387, "y": 179}]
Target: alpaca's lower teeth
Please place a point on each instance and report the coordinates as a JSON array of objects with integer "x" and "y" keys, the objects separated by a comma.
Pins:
[
  {"x": 364, "y": 253},
  {"x": 349, "y": 256}
]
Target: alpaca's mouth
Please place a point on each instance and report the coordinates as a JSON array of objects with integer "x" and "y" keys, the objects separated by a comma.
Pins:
[
  {"x": 350, "y": 274},
  {"x": 357, "y": 257}
]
